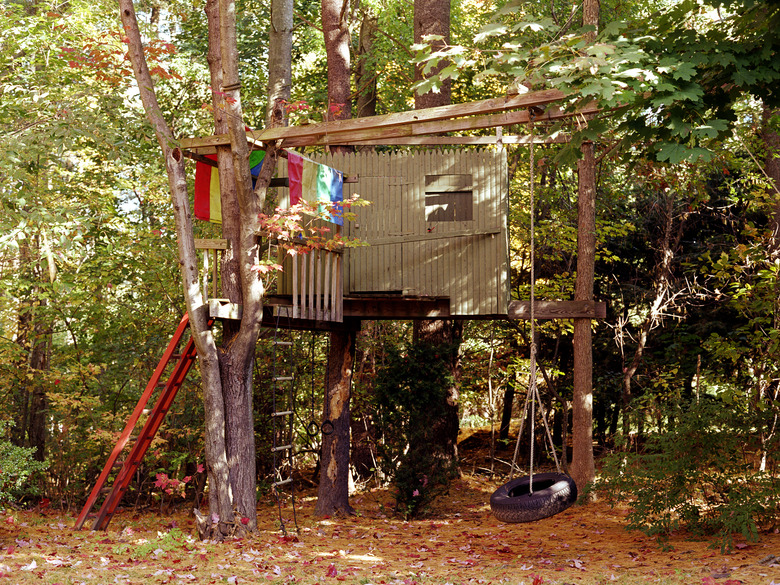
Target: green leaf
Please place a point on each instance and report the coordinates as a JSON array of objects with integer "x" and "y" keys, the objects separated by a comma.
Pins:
[
  {"x": 676, "y": 153},
  {"x": 490, "y": 30}
]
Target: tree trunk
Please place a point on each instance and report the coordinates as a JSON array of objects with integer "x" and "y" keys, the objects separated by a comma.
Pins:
[
  {"x": 333, "y": 491},
  {"x": 506, "y": 414},
  {"x": 29, "y": 401},
  {"x": 279, "y": 62},
  {"x": 336, "y": 32},
  {"x": 583, "y": 469},
  {"x": 447, "y": 334},
  {"x": 365, "y": 75},
  {"x": 40, "y": 358},
  {"x": 772, "y": 167},
  {"x": 221, "y": 495},
  {"x": 432, "y": 17}
]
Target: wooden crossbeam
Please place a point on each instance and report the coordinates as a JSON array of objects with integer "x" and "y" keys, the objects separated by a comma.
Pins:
[
  {"x": 461, "y": 140},
  {"x": 486, "y": 114},
  {"x": 558, "y": 310}
]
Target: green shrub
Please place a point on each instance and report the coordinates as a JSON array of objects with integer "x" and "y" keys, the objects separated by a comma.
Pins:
[
  {"x": 411, "y": 394},
  {"x": 16, "y": 466},
  {"x": 698, "y": 475}
]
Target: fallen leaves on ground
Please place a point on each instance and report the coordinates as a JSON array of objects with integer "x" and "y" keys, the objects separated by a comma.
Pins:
[{"x": 459, "y": 543}]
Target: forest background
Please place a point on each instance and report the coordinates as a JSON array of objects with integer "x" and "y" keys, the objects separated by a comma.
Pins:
[{"x": 687, "y": 252}]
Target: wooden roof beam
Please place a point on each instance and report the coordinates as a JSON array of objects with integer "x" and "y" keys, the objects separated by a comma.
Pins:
[
  {"x": 412, "y": 132},
  {"x": 462, "y": 140},
  {"x": 317, "y": 133}
]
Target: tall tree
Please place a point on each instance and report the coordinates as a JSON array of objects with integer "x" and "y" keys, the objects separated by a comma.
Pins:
[
  {"x": 333, "y": 490},
  {"x": 279, "y": 62},
  {"x": 582, "y": 468},
  {"x": 432, "y": 18},
  {"x": 225, "y": 370}
]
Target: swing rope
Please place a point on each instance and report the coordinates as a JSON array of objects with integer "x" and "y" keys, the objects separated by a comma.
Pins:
[
  {"x": 313, "y": 428},
  {"x": 532, "y": 395}
]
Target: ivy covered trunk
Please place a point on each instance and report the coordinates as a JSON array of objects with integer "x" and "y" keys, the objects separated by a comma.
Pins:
[{"x": 444, "y": 336}]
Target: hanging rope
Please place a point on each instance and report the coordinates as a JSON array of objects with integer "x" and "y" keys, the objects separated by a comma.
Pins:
[
  {"x": 327, "y": 424},
  {"x": 532, "y": 395},
  {"x": 532, "y": 382},
  {"x": 313, "y": 428}
]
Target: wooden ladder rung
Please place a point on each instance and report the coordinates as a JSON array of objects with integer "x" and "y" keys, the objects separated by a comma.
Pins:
[
  {"x": 283, "y": 378},
  {"x": 281, "y": 448},
  {"x": 283, "y": 413},
  {"x": 283, "y": 482}
]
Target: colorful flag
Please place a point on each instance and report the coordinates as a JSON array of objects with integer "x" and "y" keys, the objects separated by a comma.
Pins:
[
  {"x": 316, "y": 184},
  {"x": 208, "y": 205}
]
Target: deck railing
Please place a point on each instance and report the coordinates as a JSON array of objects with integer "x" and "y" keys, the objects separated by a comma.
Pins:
[{"x": 317, "y": 285}]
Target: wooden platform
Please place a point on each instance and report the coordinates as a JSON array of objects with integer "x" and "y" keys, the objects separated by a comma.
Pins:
[{"x": 395, "y": 307}]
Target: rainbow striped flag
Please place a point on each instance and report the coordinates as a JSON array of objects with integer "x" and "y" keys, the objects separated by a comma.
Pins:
[
  {"x": 309, "y": 181},
  {"x": 316, "y": 184},
  {"x": 208, "y": 205}
]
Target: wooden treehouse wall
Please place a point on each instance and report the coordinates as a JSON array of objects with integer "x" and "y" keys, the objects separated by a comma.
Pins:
[{"x": 437, "y": 227}]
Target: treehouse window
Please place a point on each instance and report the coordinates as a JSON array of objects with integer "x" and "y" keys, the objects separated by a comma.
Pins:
[{"x": 449, "y": 198}]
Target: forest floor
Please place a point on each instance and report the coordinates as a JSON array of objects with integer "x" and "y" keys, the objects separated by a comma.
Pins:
[{"x": 460, "y": 542}]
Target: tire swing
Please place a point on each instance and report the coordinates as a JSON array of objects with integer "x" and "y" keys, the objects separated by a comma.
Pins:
[{"x": 533, "y": 497}]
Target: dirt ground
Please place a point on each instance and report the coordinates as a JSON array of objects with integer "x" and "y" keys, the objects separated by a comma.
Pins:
[{"x": 460, "y": 543}]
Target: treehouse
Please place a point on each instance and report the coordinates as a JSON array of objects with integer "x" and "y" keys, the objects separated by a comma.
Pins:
[
  {"x": 436, "y": 231},
  {"x": 436, "y": 228}
]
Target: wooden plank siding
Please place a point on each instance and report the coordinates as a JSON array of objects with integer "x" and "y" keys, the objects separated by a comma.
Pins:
[{"x": 454, "y": 247}]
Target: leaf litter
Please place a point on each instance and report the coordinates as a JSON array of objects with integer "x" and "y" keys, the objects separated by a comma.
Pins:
[{"x": 460, "y": 542}]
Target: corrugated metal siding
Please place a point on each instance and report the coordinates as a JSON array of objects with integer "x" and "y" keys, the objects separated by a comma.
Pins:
[{"x": 472, "y": 270}]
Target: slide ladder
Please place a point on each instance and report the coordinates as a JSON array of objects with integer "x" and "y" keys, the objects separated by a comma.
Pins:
[{"x": 178, "y": 363}]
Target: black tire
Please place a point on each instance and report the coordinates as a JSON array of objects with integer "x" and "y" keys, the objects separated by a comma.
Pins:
[{"x": 553, "y": 493}]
